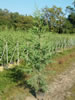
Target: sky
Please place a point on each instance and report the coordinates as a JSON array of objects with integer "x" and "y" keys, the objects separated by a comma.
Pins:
[{"x": 28, "y": 6}]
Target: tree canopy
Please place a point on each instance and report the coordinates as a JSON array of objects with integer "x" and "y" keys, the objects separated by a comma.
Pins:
[{"x": 47, "y": 19}]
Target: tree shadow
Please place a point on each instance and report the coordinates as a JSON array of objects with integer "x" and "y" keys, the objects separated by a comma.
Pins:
[
  {"x": 18, "y": 76},
  {"x": 15, "y": 75}
]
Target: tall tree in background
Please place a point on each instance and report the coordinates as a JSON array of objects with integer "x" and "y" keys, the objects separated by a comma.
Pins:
[
  {"x": 15, "y": 20},
  {"x": 71, "y": 16},
  {"x": 54, "y": 17}
]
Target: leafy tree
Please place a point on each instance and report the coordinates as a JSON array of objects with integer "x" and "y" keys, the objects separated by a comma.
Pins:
[
  {"x": 71, "y": 18},
  {"x": 54, "y": 17},
  {"x": 15, "y": 20},
  {"x": 71, "y": 15},
  {"x": 67, "y": 27}
]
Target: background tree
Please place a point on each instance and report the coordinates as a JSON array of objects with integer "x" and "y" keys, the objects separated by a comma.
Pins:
[
  {"x": 54, "y": 17},
  {"x": 71, "y": 15},
  {"x": 46, "y": 19},
  {"x": 15, "y": 20}
]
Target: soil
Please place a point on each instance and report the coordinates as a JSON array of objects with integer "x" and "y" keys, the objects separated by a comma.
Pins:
[{"x": 58, "y": 89}]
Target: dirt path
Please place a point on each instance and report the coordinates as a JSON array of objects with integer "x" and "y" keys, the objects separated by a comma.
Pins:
[{"x": 59, "y": 88}]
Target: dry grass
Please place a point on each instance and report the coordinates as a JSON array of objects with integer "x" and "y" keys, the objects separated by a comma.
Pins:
[
  {"x": 15, "y": 93},
  {"x": 71, "y": 94},
  {"x": 1, "y": 68}
]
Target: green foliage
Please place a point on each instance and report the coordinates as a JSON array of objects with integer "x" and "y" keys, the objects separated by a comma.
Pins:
[
  {"x": 36, "y": 50},
  {"x": 71, "y": 18},
  {"x": 38, "y": 84},
  {"x": 47, "y": 19},
  {"x": 5, "y": 81},
  {"x": 47, "y": 44},
  {"x": 67, "y": 28},
  {"x": 15, "y": 20},
  {"x": 54, "y": 17},
  {"x": 37, "y": 57}
]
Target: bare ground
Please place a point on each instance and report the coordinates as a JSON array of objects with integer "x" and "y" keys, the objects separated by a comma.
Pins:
[{"x": 58, "y": 90}]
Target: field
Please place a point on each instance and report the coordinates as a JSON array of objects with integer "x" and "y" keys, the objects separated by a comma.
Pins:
[
  {"x": 24, "y": 47},
  {"x": 14, "y": 43}
]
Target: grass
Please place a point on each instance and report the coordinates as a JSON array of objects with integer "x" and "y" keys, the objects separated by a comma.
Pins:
[
  {"x": 5, "y": 80},
  {"x": 6, "y": 83},
  {"x": 10, "y": 87}
]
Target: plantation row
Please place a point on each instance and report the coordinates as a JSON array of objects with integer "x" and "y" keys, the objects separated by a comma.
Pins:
[{"x": 24, "y": 46}]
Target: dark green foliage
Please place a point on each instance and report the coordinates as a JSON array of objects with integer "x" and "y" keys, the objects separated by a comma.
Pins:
[
  {"x": 15, "y": 20},
  {"x": 54, "y": 17},
  {"x": 6, "y": 81},
  {"x": 67, "y": 27},
  {"x": 71, "y": 18}
]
